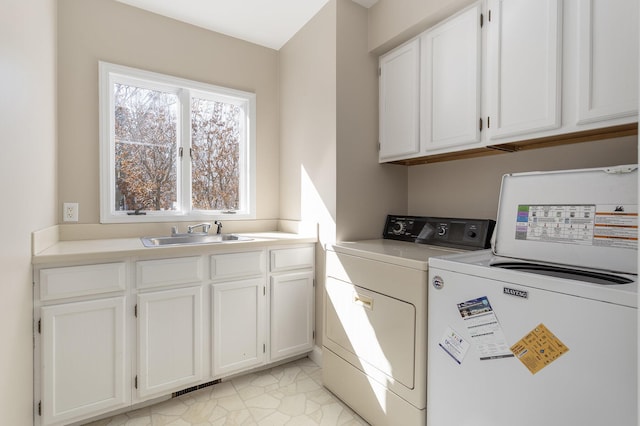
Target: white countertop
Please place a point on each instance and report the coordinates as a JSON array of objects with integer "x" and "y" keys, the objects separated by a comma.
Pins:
[
  {"x": 410, "y": 255},
  {"x": 111, "y": 248}
]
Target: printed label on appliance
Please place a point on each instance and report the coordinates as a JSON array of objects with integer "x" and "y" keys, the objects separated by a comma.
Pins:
[
  {"x": 454, "y": 345},
  {"x": 586, "y": 224},
  {"x": 616, "y": 226},
  {"x": 538, "y": 349},
  {"x": 484, "y": 329}
]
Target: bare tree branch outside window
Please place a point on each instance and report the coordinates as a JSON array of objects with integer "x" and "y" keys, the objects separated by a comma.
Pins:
[
  {"x": 174, "y": 148},
  {"x": 145, "y": 148},
  {"x": 215, "y": 141}
]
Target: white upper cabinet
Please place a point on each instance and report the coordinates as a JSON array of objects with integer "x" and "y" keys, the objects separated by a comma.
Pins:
[
  {"x": 536, "y": 70},
  {"x": 451, "y": 82},
  {"x": 399, "y": 105},
  {"x": 524, "y": 47},
  {"x": 607, "y": 59}
]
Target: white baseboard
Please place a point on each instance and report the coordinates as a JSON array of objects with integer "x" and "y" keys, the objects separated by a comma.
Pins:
[{"x": 316, "y": 355}]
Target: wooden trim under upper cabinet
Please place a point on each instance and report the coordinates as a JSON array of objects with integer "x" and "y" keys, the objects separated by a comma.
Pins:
[{"x": 546, "y": 142}]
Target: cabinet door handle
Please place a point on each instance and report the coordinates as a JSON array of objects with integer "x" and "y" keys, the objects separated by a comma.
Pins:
[{"x": 363, "y": 301}]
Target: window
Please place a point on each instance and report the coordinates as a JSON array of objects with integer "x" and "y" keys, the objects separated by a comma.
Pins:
[{"x": 173, "y": 149}]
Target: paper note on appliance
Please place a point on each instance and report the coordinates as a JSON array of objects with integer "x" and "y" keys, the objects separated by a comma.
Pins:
[
  {"x": 454, "y": 345},
  {"x": 484, "y": 329},
  {"x": 539, "y": 348}
]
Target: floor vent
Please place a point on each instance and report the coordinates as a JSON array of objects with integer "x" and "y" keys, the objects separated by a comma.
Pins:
[{"x": 195, "y": 388}]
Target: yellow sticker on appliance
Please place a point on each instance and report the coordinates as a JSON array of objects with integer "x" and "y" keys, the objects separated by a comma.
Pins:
[{"x": 539, "y": 348}]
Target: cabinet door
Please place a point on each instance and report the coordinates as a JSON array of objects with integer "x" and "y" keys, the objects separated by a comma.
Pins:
[
  {"x": 83, "y": 360},
  {"x": 239, "y": 325},
  {"x": 608, "y": 60},
  {"x": 169, "y": 340},
  {"x": 291, "y": 314},
  {"x": 399, "y": 88},
  {"x": 524, "y": 51},
  {"x": 451, "y": 82}
]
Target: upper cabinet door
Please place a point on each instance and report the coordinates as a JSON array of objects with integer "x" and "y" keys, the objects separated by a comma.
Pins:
[
  {"x": 451, "y": 82},
  {"x": 608, "y": 59},
  {"x": 399, "y": 87},
  {"x": 524, "y": 53}
]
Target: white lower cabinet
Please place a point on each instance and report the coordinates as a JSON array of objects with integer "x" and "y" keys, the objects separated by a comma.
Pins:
[
  {"x": 292, "y": 314},
  {"x": 112, "y": 335},
  {"x": 83, "y": 362},
  {"x": 169, "y": 340},
  {"x": 238, "y": 321},
  {"x": 291, "y": 301}
]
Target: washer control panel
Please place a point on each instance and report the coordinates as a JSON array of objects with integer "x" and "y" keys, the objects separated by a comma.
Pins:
[{"x": 472, "y": 234}]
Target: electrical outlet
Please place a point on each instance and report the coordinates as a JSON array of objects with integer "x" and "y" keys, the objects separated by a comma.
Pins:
[{"x": 70, "y": 212}]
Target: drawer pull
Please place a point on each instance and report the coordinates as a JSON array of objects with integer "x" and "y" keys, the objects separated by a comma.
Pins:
[{"x": 363, "y": 301}]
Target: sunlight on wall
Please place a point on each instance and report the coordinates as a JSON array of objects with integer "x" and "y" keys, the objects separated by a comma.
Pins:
[
  {"x": 354, "y": 330},
  {"x": 314, "y": 209}
]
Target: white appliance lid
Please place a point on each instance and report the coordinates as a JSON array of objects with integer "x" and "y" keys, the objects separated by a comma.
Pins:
[
  {"x": 582, "y": 218},
  {"x": 410, "y": 255}
]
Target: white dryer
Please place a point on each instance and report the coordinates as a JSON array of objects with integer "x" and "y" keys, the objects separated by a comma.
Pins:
[{"x": 375, "y": 319}]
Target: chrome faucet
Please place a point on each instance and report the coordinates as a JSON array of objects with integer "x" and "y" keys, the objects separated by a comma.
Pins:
[{"x": 205, "y": 228}]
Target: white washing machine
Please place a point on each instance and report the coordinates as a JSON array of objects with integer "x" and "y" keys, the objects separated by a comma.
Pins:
[
  {"x": 375, "y": 319},
  {"x": 543, "y": 329}
]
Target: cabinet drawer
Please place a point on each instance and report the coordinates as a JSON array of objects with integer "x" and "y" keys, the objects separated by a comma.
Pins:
[
  {"x": 155, "y": 273},
  {"x": 237, "y": 265},
  {"x": 292, "y": 258},
  {"x": 59, "y": 283}
]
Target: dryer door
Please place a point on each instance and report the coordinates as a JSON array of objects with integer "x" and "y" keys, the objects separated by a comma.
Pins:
[{"x": 372, "y": 330}]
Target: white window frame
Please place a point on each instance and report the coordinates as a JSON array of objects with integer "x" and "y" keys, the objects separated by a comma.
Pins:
[{"x": 109, "y": 74}]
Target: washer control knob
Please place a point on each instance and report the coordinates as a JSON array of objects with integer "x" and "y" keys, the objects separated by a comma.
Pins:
[
  {"x": 472, "y": 234},
  {"x": 442, "y": 230},
  {"x": 399, "y": 228}
]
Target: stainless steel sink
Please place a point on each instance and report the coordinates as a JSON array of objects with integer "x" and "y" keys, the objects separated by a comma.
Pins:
[{"x": 182, "y": 239}]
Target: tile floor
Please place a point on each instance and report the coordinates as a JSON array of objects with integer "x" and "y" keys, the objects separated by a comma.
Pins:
[{"x": 290, "y": 394}]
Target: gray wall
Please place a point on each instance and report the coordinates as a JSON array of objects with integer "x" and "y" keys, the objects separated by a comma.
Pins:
[
  {"x": 28, "y": 176},
  {"x": 470, "y": 188},
  {"x": 329, "y": 171},
  {"x": 308, "y": 134},
  {"x": 90, "y": 31},
  {"x": 366, "y": 190},
  {"x": 392, "y": 22}
]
